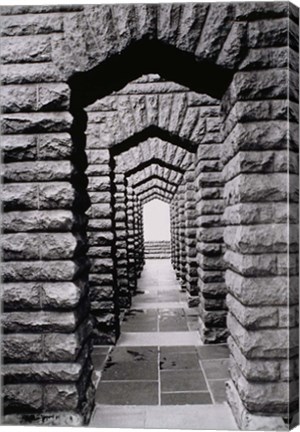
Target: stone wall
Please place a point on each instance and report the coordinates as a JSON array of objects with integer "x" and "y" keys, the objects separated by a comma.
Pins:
[{"x": 98, "y": 119}]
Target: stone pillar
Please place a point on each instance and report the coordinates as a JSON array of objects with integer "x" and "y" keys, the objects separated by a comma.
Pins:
[
  {"x": 101, "y": 236},
  {"x": 190, "y": 239},
  {"x": 46, "y": 342},
  {"x": 172, "y": 226},
  {"x": 130, "y": 239},
  {"x": 177, "y": 243},
  {"x": 140, "y": 236},
  {"x": 261, "y": 171},
  {"x": 136, "y": 236},
  {"x": 121, "y": 245},
  {"x": 210, "y": 249},
  {"x": 181, "y": 235}
]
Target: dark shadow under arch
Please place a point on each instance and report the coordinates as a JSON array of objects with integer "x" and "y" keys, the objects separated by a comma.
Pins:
[
  {"x": 153, "y": 187},
  {"x": 152, "y": 132},
  {"x": 154, "y": 177},
  {"x": 154, "y": 161},
  {"x": 156, "y": 195},
  {"x": 144, "y": 57}
]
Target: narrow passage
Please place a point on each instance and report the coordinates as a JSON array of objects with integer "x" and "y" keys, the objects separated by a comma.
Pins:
[{"x": 160, "y": 374}]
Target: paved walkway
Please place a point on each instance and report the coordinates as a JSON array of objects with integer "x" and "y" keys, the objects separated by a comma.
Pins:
[{"x": 160, "y": 375}]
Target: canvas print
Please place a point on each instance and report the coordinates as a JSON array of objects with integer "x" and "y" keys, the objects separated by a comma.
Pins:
[{"x": 150, "y": 215}]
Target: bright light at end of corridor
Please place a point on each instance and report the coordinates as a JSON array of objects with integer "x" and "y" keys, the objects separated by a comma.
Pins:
[{"x": 156, "y": 221}]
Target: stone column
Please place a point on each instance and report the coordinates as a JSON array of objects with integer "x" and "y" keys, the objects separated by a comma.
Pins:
[
  {"x": 130, "y": 239},
  {"x": 121, "y": 245},
  {"x": 172, "y": 226},
  {"x": 181, "y": 235},
  {"x": 136, "y": 236},
  {"x": 140, "y": 236},
  {"x": 210, "y": 249},
  {"x": 261, "y": 193},
  {"x": 190, "y": 239},
  {"x": 46, "y": 342},
  {"x": 177, "y": 243},
  {"x": 101, "y": 236}
]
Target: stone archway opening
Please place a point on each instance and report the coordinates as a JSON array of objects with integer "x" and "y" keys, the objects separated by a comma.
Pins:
[{"x": 93, "y": 131}]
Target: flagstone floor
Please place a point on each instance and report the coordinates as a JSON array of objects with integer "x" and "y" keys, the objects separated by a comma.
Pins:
[{"x": 160, "y": 375}]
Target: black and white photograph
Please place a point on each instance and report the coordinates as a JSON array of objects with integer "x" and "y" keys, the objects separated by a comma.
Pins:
[{"x": 149, "y": 221}]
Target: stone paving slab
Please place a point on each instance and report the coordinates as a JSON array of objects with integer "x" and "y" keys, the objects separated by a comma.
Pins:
[
  {"x": 127, "y": 393},
  {"x": 185, "y": 398},
  {"x": 173, "y": 361},
  {"x": 194, "y": 417},
  {"x": 182, "y": 381},
  {"x": 160, "y": 339}
]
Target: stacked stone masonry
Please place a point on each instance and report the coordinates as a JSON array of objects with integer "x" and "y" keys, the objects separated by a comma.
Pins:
[{"x": 99, "y": 118}]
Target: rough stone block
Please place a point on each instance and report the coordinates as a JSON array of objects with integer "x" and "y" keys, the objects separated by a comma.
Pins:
[
  {"x": 212, "y": 289},
  {"x": 256, "y": 136},
  {"x": 37, "y": 171},
  {"x": 99, "y": 156},
  {"x": 210, "y": 276},
  {"x": 23, "y": 397},
  {"x": 62, "y": 295},
  {"x": 27, "y": 294},
  {"x": 267, "y": 84},
  {"x": 210, "y": 249},
  {"x": 211, "y": 262},
  {"x": 42, "y": 372},
  {"x": 38, "y": 220},
  {"x": 40, "y": 321},
  {"x": 259, "y": 397},
  {"x": 265, "y": 343},
  {"x": 253, "y": 318},
  {"x": 34, "y": 24},
  {"x": 54, "y": 146},
  {"x": 260, "y": 213},
  {"x": 22, "y": 347},
  {"x": 61, "y": 397},
  {"x": 56, "y": 195},
  {"x": 247, "y": 420},
  {"x": 210, "y": 235},
  {"x": 64, "y": 347},
  {"x": 271, "y": 238},
  {"x": 18, "y": 148},
  {"x": 100, "y": 197},
  {"x": 41, "y": 270},
  {"x": 100, "y": 252},
  {"x": 99, "y": 224},
  {"x": 259, "y": 188},
  {"x": 100, "y": 238},
  {"x": 26, "y": 49},
  {"x": 254, "y": 370},
  {"x": 261, "y": 291},
  {"x": 16, "y": 196},
  {"x": 102, "y": 265},
  {"x": 99, "y": 184},
  {"x": 30, "y": 73},
  {"x": 262, "y": 162},
  {"x": 100, "y": 293},
  {"x": 44, "y": 97},
  {"x": 252, "y": 265},
  {"x": 24, "y": 123},
  {"x": 217, "y": 26}
]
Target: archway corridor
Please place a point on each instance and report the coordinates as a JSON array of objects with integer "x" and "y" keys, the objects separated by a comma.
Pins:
[{"x": 106, "y": 108}]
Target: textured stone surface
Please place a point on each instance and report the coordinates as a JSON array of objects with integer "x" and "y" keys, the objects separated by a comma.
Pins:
[{"x": 226, "y": 159}]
